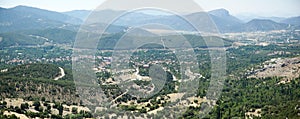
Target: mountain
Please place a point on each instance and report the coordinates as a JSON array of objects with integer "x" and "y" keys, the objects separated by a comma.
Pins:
[
  {"x": 99, "y": 16},
  {"x": 51, "y": 15},
  {"x": 224, "y": 21},
  {"x": 81, "y": 14},
  {"x": 37, "y": 37},
  {"x": 109, "y": 41},
  {"x": 124, "y": 18},
  {"x": 261, "y": 25},
  {"x": 224, "y": 14},
  {"x": 201, "y": 20},
  {"x": 136, "y": 19},
  {"x": 131, "y": 19},
  {"x": 221, "y": 17},
  {"x": 292, "y": 20},
  {"x": 24, "y": 18},
  {"x": 248, "y": 17},
  {"x": 53, "y": 35},
  {"x": 11, "y": 20},
  {"x": 276, "y": 19},
  {"x": 17, "y": 39}
]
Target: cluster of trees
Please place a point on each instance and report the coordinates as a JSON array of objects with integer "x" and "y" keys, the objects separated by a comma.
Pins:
[
  {"x": 47, "y": 71},
  {"x": 43, "y": 113},
  {"x": 34, "y": 37},
  {"x": 54, "y": 35},
  {"x": 108, "y": 42},
  {"x": 203, "y": 42},
  {"x": 16, "y": 39},
  {"x": 104, "y": 75},
  {"x": 35, "y": 88},
  {"x": 143, "y": 71},
  {"x": 246, "y": 95},
  {"x": 240, "y": 59},
  {"x": 2, "y": 116},
  {"x": 47, "y": 54},
  {"x": 37, "y": 71}
]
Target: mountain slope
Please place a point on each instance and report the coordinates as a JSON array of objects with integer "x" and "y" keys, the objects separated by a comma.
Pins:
[
  {"x": 37, "y": 37},
  {"x": 224, "y": 14},
  {"x": 54, "y": 35},
  {"x": 223, "y": 20},
  {"x": 261, "y": 25},
  {"x": 81, "y": 14},
  {"x": 248, "y": 17},
  {"x": 47, "y": 71},
  {"x": 220, "y": 17},
  {"x": 51, "y": 15},
  {"x": 16, "y": 39},
  {"x": 292, "y": 21},
  {"x": 23, "y": 18}
]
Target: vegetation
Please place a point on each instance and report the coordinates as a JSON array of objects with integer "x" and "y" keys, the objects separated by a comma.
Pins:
[
  {"x": 15, "y": 39},
  {"x": 31, "y": 70},
  {"x": 54, "y": 35},
  {"x": 28, "y": 55},
  {"x": 246, "y": 95},
  {"x": 46, "y": 71}
]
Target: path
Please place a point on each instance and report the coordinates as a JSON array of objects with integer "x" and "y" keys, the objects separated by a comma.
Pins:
[
  {"x": 62, "y": 74},
  {"x": 119, "y": 96}
]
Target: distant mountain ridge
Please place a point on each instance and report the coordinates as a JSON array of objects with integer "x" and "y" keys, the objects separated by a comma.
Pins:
[
  {"x": 261, "y": 25},
  {"x": 292, "y": 20},
  {"x": 81, "y": 14},
  {"x": 248, "y": 17},
  {"x": 26, "y": 18},
  {"x": 224, "y": 21},
  {"x": 51, "y": 15},
  {"x": 224, "y": 14},
  {"x": 28, "y": 26},
  {"x": 21, "y": 18}
]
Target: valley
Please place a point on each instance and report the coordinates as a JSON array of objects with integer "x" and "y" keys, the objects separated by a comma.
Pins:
[{"x": 44, "y": 74}]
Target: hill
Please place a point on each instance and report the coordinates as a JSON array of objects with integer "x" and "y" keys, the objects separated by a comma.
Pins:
[
  {"x": 16, "y": 39},
  {"x": 51, "y": 15},
  {"x": 109, "y": 41},
  {"x": 54, "y": 35},
  {"x": 44, "y": 71},
  {"x": 221, "y": 17},
  {"x": 292, "y": 20},
  {"x": 261, "y": 25},
  {"x": 37, "y": 37},
  {"x": 23, "y": 18},
  {"x": 224, "y": 20},
  {"x": 81, "y": 14}
]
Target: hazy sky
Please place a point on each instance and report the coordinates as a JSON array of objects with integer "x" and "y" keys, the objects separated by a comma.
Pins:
[{"x": 282, "y": 8}]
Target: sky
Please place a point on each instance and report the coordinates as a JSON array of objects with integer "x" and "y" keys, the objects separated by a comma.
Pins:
[{"x": 280, "y": 8}]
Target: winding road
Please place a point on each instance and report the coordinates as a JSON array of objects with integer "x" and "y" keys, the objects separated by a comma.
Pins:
[{"x": 62, "y": 74}]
